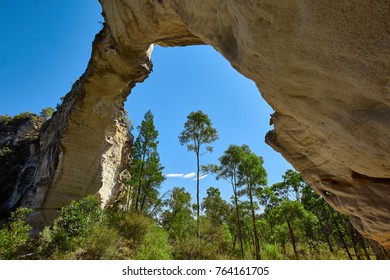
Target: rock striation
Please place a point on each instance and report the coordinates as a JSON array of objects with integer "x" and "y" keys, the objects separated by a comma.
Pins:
[{"x": 322, "y": 65}]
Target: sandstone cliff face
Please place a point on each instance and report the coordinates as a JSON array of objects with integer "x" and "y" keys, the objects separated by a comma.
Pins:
[
  {"x": 322, "y": 65},
  {"x": 19, "y": 154}
]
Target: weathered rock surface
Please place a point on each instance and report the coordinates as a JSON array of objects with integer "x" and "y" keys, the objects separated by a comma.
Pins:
[
  {"x": 19, "y": 154},
  {"x": 322, "y": 65}
]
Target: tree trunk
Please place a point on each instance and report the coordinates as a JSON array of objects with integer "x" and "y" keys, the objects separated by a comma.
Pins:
[
  {"x": 257, "y": 243},
  {"x": 128, "y": 198},
  {"x": 239, "y": 224},
  {"x": 144, "y": 197},
  {"x": 353, "y": 239},
  {"x": 339, "y": 232},
  {"x": 324, "y": 233},
  {"x": 363, "y": 245},
  {"x": 284, "y": 246},
  {"x": 292, "y": 239},
  {"x": 380, "y": 252},
  {"x": 326, "y": 236},
  {"x": 197, "y": 194},
  {"x": 140, "y": 178}
]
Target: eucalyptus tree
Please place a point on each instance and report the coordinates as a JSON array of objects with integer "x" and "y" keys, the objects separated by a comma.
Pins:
[
  {"x": 253, "y": 176},
  {"x": 215, "y": 208},
  {"x": 228, "y": 170},
  {"x": 198, "y": 131},
  {"x": 294, "y": 182},
  {"x": 177, "y": 218}
]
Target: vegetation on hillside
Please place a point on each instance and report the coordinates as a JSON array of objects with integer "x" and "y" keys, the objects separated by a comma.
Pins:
[{"x": 17, "y": 119}]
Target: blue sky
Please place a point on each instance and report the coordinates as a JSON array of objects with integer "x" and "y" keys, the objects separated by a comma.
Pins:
[{"x": 46, "y": 46}]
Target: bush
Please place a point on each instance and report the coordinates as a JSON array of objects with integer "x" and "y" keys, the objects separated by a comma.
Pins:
[
  {"x": 155, "y": 245},
  {"x": 5, "y": 119},
  {"x": 133, "y": 228},
  {"x": 141, "y": 237},
  {"x": 103, "y": 243},
  {"x": 47, "y": 112},
  {"x": 74, "y": 223},
  {"x": 271, "y": 252},
  {"x": 14, "y": 235},
  {"x": 18, "y": 119},
  {"x": 193, "y": 248},
  {"x": 80, "y": 216}
]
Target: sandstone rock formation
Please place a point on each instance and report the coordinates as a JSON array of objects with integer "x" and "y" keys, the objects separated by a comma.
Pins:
[
  {"x": 322, "y": 65},
  {"x": 19, "y": 154}
]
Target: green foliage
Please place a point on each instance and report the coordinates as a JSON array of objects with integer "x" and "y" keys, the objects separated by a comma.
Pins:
[
  {"x": 271, "y": 252},
  {"x": 133, "y": 228},
  {"x": 215, "y": 244},
  {"x": 251, "y": 172},
  {"x": 17, "y": 119},
  {"x": 5, "y": 119},
  {"x": 294, "y": 182},
  {"x": 155, "y": 245},
  {"x": 228, "y": 170},
  {"x": 47, "y": 112},
  {"x": 14, "y": 235},
  {"x": 141, "y": 237},
  {"x": 198, "y": 130},
  {"x": 177, "y": 218},
  {"x": 145, "y": 169},
  {"x": 74, "y": 223},
  {"x": 215, "y": 208},
  {"x": 78, "y": 217},
  {"x": 103, "y": 243}
]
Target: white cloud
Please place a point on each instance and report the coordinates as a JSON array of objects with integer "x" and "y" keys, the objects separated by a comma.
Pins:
[
  {"x": 174, "y": 175},
  {"x": 185, "y": 176},
  {"x": 189, "y": 175},
  {"x": 201, "y": 177}
]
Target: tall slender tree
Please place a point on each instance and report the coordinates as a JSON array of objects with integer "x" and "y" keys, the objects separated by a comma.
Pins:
[
  {"x": 253, "y": 175},
  {"x": 228, "y": 170},
  {"x": 145, "y": 169},
  {"x": 198, "y": 131}
]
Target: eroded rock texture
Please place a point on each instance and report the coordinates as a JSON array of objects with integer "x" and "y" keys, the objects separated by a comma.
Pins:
[
  {"x": 19, "y": 154},
  {"x": 322, "y": 65}
]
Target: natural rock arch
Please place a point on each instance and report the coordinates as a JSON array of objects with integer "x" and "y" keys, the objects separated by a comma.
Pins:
[{"x": 322, "y": 66}]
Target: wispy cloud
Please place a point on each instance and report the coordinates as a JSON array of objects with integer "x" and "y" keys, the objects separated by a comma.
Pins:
[
  {"x": 201, "y": 177},
  {"x": 174, "y": 175},
  {"x": 189, "y": 175},
  {"x": 181, "y": 175}
]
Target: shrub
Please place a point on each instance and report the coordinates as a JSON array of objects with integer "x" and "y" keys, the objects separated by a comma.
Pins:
[
  {"x": 5, "y": 119},
  {"x": 134, "y": 227},
  {"x": 155, "y": 245},
  {"x": 103, "y": 243},
  {"x": 80, "y": 216},
  {"x": 47, "y": 112},
  {"x": 74, "y": 223},
  {"x": 193, "y": 248},
  {"x": 271, "y": 252},
  {"x": 14, "y": 235}
]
